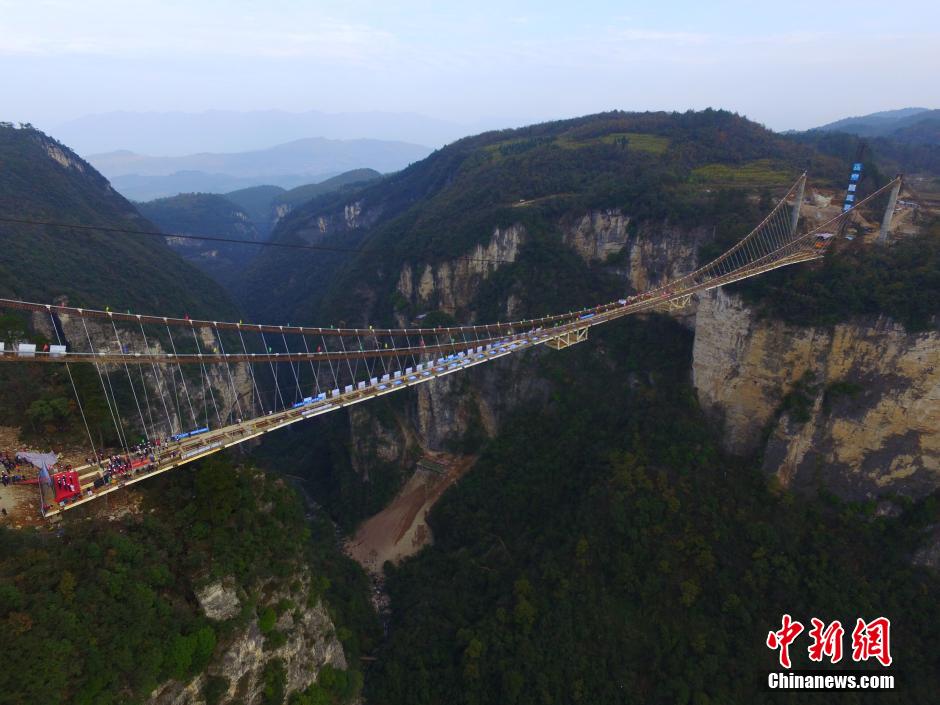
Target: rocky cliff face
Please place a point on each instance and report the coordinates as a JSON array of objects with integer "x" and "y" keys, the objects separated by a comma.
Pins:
[
  {"x": 225, "y": 394},
  {"x": 280, "y": 210},
  {"x": 663, "y": 252},
  {"x": 652, "y": 253},
  {"x": 451, "y": 414},
  {"x": 855, "y": 409},
  {"x": 311, "y": 644},
  {"x": 597, "y": 234},
  {"x": 352, "y": 216},
  {"x": 452, "y": 286},
  {"x": 378, "y": 439}
]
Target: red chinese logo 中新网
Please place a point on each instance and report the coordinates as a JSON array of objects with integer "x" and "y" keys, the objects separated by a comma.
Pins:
[{"x": 870, "y": 640}]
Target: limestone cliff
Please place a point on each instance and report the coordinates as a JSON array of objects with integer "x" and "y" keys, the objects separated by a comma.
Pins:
[
  {"x": 649, "y": 252},
  {"x": 310, "y": 644},
  {"x": 378, "y": 439},
  {"x": 228, "y": 391},
  {"x": 352, "y": 216},
  {"x": 866, "y": 394},
  {"x": 597, "y": 234},
  {"x": 453, "y": 413},
  {"x": 661, "y": 252},
  {"x": 452, "y": 286}
]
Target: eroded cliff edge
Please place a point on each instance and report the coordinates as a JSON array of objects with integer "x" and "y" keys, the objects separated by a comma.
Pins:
[{"x": 854, "y": 409}]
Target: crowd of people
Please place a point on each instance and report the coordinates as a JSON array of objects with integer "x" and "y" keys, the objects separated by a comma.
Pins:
[
  {"x": 137, "y": 459},
  {"x": 11, "y": 467},
  {"x": 140, "y": 458},
  {"x": 66, "y": 485}
]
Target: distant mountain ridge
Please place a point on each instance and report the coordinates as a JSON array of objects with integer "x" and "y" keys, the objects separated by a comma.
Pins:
[
  {"x": 180, "y": 133},
  {"x": 147, "y": 188},
  {"x": 142, "y": 177},
  {"x": 912, "y": 125}
]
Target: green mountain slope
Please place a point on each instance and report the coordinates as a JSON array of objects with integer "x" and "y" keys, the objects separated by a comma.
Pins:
[
  {"x": 298, "y": 196},
  {"x": 112, "y": 605},
  {"x": 44, "y": 180},
  {"x": 206, "y": 214},
  {"x": 266, "y": 205},
  {"x": 657, "y": 167},
  {"x": 41, "y": 179},
  {"x": 248, "y": 214},
  {"x": 255, "y": 201}
]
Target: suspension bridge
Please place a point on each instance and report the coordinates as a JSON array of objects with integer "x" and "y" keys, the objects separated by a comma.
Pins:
[{"x": 329, "y": 368}]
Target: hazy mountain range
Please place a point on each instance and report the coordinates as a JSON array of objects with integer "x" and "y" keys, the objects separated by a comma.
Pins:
[
  {"x": 914, "y": 125},
  {"x": 142, "y": 177},
  {"x": 179, "y": 133}
]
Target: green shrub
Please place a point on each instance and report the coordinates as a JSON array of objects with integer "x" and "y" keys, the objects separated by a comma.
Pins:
[
  {"x": 214, "y": 688},
  {"x": 267, "y": 620},
  {"x": 273, "y": 682},
  {"x": 275, "y": 639}
]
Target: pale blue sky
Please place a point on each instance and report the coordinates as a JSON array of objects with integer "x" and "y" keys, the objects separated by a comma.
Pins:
[{"x": 788, "y": 65}]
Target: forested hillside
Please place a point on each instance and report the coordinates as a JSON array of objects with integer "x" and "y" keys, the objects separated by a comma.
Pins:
[
  {"x": 888, "y": 155},
  {"x": 603, "y": 550},
  {"x": 103, "y": 612},
  {"x": 41, "y": 179},
  {"x": 256, "y": 201},
  {"x": 298, "y": 196},
  {"x": 211, "y": 215},
  {"x": 247, "y": 215},
  {"x": 857, "y": 280}
]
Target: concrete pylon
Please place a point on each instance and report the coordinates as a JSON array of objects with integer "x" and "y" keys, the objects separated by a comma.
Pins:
[
  {"x": 795, "y": 215},
  {"x": 889, "y": 212}
]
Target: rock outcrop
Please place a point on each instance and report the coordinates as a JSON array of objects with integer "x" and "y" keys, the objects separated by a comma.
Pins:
[
  {"x": 218, "y": 601},
  {"x": 598, "y": 234},
  {"x": 663, "y": 252},
  {"x": 867, "y": 395},
  {"x": 652, "y": 253},
  {"x": 227, "y": 391},
  {"x": 455, "y": 411},
  {"x": 452, "y": 286},
  {"x": 310, "y": 644}
]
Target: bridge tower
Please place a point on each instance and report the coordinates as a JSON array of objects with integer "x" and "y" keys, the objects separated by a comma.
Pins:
[
  {"x": 797, "y": 204},
  {"x": 889, "y": 212}
]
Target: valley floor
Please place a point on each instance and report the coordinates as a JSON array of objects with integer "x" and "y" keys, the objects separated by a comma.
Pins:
[{"x": 400, "y": 530}]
